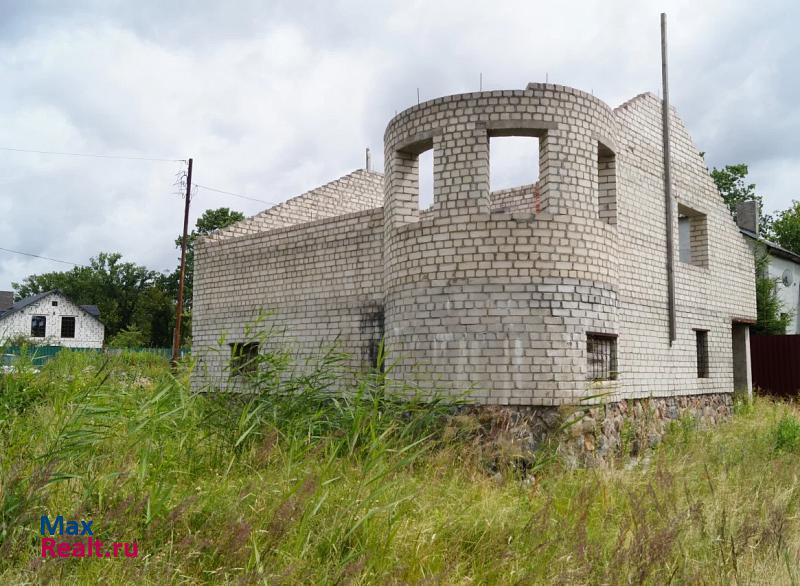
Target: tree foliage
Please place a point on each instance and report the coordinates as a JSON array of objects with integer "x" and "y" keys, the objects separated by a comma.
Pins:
[
  {"x": 730, "y": 181},
  {"x": 130, "y": 337},
  {"x": 786, "y": 228},
  {"x": 771, "y": 317}
]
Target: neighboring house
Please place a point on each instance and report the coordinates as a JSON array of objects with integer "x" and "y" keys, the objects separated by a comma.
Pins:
[
  {"x": 52, "y": 319},
  {"x": 783, "y": 265},
  {"x": 534, "y": 297}
]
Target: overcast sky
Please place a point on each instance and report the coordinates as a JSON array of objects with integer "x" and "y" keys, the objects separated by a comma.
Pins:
[{"x": 274, "y": 98}]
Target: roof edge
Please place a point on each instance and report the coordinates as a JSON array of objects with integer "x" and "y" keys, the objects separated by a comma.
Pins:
[{"x": 776, "y": 249}]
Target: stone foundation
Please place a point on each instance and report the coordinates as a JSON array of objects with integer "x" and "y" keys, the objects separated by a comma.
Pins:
[{"x": 593, "y": 434}]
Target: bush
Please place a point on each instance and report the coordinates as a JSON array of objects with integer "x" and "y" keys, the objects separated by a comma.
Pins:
[
  {"x": 786, "y": 434},
  {"x": 130, "y": 337}
]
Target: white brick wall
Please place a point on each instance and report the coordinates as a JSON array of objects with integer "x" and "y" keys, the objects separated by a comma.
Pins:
[
  {"x": 495, "y": 293},
  {"x": 89, "y": 332}
]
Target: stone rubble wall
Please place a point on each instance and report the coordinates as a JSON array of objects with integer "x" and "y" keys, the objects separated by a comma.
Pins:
[{"x": 593, "y": 435}]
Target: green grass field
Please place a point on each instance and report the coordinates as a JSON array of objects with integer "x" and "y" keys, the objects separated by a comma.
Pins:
[{"x": 290, "y": 487}]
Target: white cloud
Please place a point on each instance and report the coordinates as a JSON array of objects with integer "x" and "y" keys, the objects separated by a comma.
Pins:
[{"x": 272, "y": 100}]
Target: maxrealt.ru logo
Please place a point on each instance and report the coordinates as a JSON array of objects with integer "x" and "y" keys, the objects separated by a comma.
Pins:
[{"x": 89, "y": 547}]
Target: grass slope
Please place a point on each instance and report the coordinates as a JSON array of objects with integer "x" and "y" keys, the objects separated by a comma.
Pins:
[{"x": 292, "y": 488}]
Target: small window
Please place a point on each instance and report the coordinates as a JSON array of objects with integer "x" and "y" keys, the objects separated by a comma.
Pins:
[
  {"x": 601, "y": 357},
  {"x": 606, "y": 184},
  {"x": 684, "y": 245},
  {"x": 425, "y": 170},
  {"x": 692, "y": 237},
  {"x": 38, "y": 326},
  {"x": 244, "y": 358},
  {"x": 372, "y": 325},
  {"x": 702, "y": 353},
  {"x": 55, "y": 303},
  {"x": 413, "y": 167},
  {"x": 67, "y": 327}
]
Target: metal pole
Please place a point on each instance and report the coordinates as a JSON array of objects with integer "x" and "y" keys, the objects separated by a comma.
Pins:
[
  {"x": 665, "y": 116},
  {"x": 176, "y": 341},
  {"x": 369, "y": 161}
]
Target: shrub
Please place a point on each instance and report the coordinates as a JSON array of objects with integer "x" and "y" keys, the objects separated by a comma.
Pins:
[
  {"x": 786, "y": 434},
  {"x": 130, "y": 337}
]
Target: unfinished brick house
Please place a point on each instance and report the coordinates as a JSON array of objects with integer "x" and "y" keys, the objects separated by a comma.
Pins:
[{"x": 537, "y": 296}]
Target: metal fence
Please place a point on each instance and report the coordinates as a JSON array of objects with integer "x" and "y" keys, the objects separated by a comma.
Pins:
[
  {"x": 40, "y": 355},
  {"x": 776, "y": 364}
]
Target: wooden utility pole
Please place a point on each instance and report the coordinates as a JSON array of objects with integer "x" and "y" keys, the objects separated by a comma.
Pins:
[
  {"x": 665, "y": 113},
  {"x": 176, "y": 340}
]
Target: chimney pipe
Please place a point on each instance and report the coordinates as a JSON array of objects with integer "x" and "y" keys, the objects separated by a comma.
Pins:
[
  {"x": 747, "y": 216},
  {"x": 369, "y": 160},
  {"x": 6, "y": 300}
]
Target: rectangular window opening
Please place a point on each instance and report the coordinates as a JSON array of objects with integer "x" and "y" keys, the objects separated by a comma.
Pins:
[
  {"x": 425, "y": 168},
  {"x": 601, "y": 357},
  {"x": 606, "y": 184},
  {"x": 413, "y": 167},
  {"x": 244, "y": 358},
  {"x": 67, "y": 327},
  {"x": 38, "y": 326},
  {"x": 514, "y": 165},
  {"x": 373, "y": 326},
  {"x": 692, "y": 237},
  {"x": 702, "y": 353}
]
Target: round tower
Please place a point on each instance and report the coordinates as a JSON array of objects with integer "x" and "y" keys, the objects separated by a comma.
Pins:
[{"x": 501, "y": 304}]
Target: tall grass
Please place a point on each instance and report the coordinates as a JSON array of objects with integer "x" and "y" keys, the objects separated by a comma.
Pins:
[{"x": 294, "y": 484}]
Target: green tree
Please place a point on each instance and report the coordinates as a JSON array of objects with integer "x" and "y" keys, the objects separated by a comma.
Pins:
[
  {"x": 786, "y": 228},
  {"x": 734, "y": 189},
  {"x": 130, "y": 337},
  {"x": 154, "y": 315},
  {"x": 771, "y": 317}
]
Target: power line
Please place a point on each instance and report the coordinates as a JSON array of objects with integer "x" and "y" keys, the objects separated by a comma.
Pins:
[
  {"x": 38, "y": 152},
  {"x": 66, "y": 262},
  {"x": 239, "y": 195}
]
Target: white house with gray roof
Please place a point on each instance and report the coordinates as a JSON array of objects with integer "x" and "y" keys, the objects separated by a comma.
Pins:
[
  {"x": 50, "y": 318},
  {"x": 783, "y": 265}
]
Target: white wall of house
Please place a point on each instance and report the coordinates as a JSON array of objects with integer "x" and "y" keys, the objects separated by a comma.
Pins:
[
  {"x": 787, "y": 273},
  {"x": 89, "y": 331}
]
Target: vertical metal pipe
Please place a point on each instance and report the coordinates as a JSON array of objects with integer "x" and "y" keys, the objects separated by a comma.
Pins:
[{"x": 667, "y": 180}]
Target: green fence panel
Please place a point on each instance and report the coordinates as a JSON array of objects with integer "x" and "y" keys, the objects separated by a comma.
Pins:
[{"x": 40, "y": 355}]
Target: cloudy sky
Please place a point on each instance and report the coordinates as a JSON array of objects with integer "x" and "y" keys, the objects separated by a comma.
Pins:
[{"x": 274, "y": 98}]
